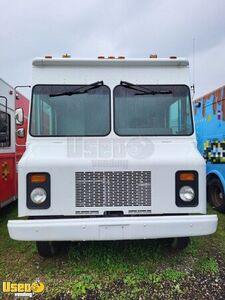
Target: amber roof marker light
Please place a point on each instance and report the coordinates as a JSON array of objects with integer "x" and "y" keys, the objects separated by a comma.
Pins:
[
  {"x": 66, "y": 55},
  {"x": 153, "y": 56}
]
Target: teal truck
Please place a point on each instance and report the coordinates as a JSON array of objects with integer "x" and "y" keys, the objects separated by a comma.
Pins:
[{"x": 209, "y": 111}]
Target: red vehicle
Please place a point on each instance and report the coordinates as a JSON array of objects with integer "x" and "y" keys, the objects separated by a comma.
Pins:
[{"x": 12, "y": 139}]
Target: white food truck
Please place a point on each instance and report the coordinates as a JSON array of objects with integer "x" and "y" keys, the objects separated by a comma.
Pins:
[{"x": 111, "y": 154}]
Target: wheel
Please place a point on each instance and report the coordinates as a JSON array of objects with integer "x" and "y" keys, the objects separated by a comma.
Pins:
[
  {"x": 178, "y": 243},
  {"x": 49, "y": 249},
  {"x": 215, "y": 194}
]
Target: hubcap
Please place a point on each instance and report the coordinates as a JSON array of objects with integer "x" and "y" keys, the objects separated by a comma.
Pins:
[{"x": 217, "y": 196}]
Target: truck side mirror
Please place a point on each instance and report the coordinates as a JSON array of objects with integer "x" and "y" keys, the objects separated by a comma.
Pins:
[
  {"x": 19, "y": 116},
  {"x": 20, "y": 132}
]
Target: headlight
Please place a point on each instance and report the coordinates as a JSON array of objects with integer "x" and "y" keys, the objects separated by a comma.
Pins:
[
  {"x": 187, "y": 193},
  {"x": 38, "y": 195}
]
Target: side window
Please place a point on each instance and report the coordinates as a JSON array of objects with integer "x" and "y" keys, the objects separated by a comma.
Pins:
[
  {"x": 43, "y": 119},
  {"x": 180, "y": 119},
  {"x": 174, "y": 117},
  {"x": 47, "y": 119},
  {"x": 4, "y": 129}
]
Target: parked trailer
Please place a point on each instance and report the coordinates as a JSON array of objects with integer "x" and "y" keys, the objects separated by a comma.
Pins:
[
  {"x": 210, "y": 127},
  {"x": 112, "y": 154},
  {"x": 11, "y": 146}
]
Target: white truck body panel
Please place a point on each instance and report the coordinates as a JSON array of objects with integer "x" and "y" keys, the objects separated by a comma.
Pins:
[
  {"x": 163, "y": 161},
  {"x": 62, "y": 157}
]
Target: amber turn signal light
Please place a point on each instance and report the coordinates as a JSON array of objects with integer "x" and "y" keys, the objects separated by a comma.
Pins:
[
  {"x": 38, "y": 178},
  {"x": 187, "y": 176}
]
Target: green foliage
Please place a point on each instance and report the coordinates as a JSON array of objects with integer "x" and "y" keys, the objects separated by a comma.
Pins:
[
  {"x": 130, "y": 280},
  {"x": 173, "y": 275},
  {"x": 82, "y": 285},
  {"x": 155, "y": 278},
  {"x": 207, "y": 265}
]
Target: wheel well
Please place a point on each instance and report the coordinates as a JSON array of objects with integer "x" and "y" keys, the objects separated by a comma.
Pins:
[
  {"x": 211, "y": 176},
  {"x": 214, "y": 195}
]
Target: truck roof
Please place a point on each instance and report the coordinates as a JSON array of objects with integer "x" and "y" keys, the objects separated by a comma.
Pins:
[
  {"x": 50, "y": 70},
  {"x": 109, "y": 61}
]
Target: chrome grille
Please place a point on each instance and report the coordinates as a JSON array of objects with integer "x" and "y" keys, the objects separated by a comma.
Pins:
[{"x": 102, "y": 189}]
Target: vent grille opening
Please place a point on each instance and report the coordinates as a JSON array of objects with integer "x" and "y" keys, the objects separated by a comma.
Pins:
[{"x": 103, "y": 189}]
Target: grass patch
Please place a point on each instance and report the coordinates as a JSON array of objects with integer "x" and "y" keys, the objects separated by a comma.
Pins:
[
  {"x": 207, "y": 265},
  {"x": 173, "y": 275}
]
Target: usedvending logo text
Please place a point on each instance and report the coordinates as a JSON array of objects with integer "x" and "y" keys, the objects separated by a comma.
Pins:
[{"x": 22, "y": 289}]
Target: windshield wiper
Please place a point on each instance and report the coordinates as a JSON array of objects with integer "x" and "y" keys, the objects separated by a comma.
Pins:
[
  {"x": 132, "y": 86},
  {"x": 155, "y": 93},
  {"x": 143, "y": 90},
  {"x": 80, "y": 90}
]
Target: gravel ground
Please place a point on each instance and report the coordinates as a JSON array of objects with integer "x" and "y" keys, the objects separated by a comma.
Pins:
[{"x": 196, "y": 286}]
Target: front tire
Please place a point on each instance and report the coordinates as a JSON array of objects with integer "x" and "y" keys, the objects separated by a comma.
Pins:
[
  {"x": 216, "y": 195},
  {"x": 49, "y": 249},
  {"x": 178, "y": 243}
]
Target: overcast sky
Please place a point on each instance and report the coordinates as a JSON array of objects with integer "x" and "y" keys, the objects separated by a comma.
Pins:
[{"x": 88, "y": 28}]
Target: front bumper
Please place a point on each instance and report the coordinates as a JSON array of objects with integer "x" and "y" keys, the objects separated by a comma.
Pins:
[{"x": 114, "y": 228}]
